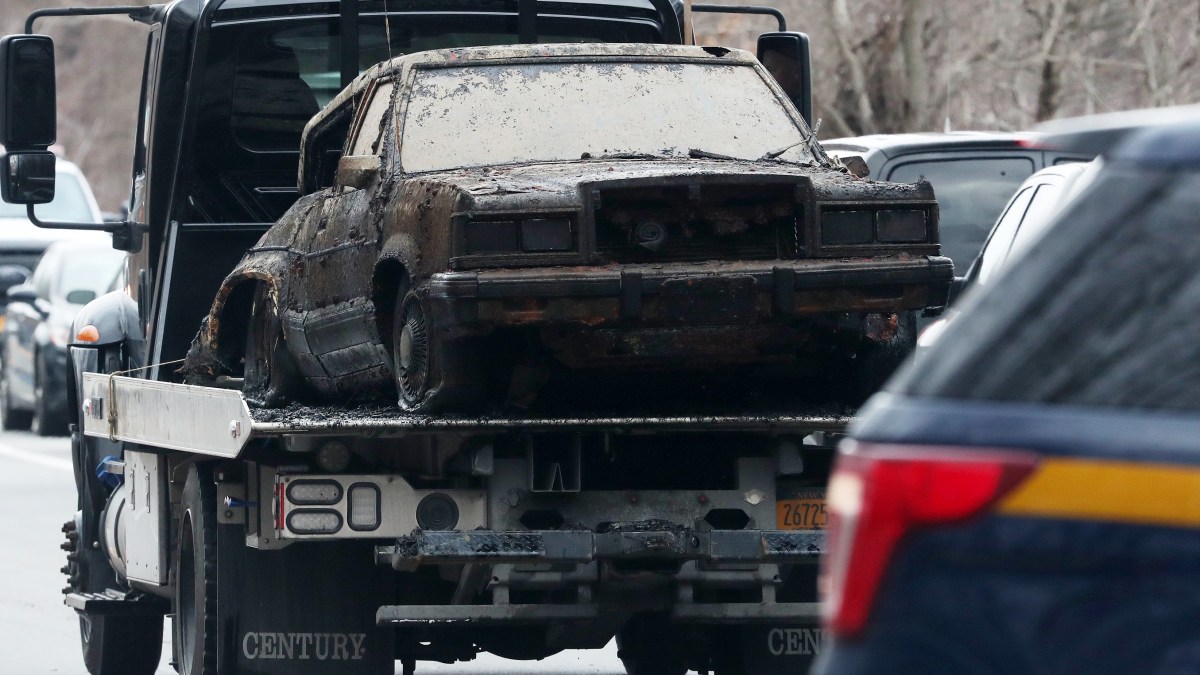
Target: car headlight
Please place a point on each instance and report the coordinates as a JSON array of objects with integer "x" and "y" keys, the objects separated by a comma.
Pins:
[
  {"x": 528, "y": 235},
  {"x": 847, "y": 227},
  {"x": 902, "y": 226}
]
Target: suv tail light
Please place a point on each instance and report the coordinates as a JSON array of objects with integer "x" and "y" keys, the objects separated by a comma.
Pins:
[{"x": 878, "y": 493}]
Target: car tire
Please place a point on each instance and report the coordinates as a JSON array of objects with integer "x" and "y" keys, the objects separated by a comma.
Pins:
[
  {"x": 432, "y": 374},
  {"x": 11, "y": 419},
  {"x": 46, "y": 419},
  {"x": 271, "y": 376}
]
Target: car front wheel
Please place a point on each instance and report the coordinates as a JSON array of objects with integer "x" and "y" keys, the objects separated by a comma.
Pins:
[{"x": 432, "y": 375}]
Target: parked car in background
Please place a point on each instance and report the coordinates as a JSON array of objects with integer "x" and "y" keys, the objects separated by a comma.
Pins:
[
  {"x": 22, "y": 242},
  {"x": 973, "y": 175},
  {"x": 37, "y": 330},
  {"x": 1023, "y": 499},
  {"x": 1023, "y": 221}
]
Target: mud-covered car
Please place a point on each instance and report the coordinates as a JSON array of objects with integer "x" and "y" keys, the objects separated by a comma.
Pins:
[{"x": 496, "y": 214}]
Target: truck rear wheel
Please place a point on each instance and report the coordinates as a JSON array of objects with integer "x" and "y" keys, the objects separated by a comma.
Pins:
[{"x": 202, "y": 549}]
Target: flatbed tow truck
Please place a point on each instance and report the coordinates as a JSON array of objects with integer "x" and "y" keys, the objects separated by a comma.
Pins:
[{"x": 279, "y": 540}]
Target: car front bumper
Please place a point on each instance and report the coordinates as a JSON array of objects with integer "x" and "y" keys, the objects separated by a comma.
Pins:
[{"x": 689, "y": 294}]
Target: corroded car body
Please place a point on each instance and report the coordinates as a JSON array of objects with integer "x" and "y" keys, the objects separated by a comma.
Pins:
[{"x": 495, "y": 212}]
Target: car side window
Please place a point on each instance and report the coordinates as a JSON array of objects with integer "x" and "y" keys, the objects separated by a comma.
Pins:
[
  {"x": 369, "y": 129},
  {"x": 998, "y": 245},
  {"x": 323, "y": 148},
  {"x": 1045, "y": 205}
]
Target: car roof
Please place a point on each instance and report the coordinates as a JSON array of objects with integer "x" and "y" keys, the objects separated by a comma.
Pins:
[
  {"x": 1171, "y": 146},
  {"x": 891, "y": 145},
  {"x": 1101, "y": 134}
]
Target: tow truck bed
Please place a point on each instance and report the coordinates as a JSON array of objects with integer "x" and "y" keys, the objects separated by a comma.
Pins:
[{"x": 219, "y": 422}]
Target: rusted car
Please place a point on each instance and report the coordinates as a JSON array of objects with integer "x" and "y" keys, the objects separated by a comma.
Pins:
[{"x": 475, "y": 218}]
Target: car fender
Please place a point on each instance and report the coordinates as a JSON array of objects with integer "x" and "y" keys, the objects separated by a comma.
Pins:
[{"x": 114, "y": 316}]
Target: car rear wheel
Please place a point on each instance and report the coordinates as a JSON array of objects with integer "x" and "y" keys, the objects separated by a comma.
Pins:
[
  {"x": 11, "y": 418},
  {"x": 271, "y": 376},
  {"x": 48, "y": 419}
]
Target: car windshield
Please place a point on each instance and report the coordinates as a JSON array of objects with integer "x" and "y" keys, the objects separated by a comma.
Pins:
[
  {"x": 70, "y": 203},
  {"x": 91, "y": 270},
  {"x": 481, "y": 115}
]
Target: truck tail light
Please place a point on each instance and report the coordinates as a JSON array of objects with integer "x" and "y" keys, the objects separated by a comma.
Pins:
[{"x": 879, "y": 493}]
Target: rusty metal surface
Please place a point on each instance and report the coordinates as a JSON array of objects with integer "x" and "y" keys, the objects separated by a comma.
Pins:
[{"x": 624, "y": 543}]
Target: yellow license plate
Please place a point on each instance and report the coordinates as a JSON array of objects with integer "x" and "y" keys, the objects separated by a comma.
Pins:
[{"x": 805, "y": 511}]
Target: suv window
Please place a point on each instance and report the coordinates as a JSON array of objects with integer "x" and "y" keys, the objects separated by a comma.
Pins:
[
  {"x": 1101, "y": 313},
  {"x": 971, "y": 193},
  {"x": 1006, "y": 229}
]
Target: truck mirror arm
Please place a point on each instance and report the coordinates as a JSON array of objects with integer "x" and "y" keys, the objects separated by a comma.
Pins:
[
  {"x": 141, "y": 13},
  {"x": 745, "y": 9},
  {"x": 56, "y": 225}
]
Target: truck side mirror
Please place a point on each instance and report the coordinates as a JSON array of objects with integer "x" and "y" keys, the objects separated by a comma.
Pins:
[
  {"x": 788, "y": 59},
  {"x": 28, "y": 113},
  {"x": 27, "y": 177}
]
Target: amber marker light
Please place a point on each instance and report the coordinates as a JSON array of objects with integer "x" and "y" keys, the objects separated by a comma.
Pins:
[{"x": 88, "y": 334}]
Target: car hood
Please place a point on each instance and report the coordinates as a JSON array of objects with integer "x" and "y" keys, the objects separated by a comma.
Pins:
[{"x": 560, "y": 183}]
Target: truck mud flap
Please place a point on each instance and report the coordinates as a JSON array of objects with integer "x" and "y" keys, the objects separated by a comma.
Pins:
[{"x": 310, "y": 610}]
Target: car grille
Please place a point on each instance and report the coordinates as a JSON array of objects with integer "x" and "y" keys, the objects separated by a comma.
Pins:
[{"x": 682, "y": 223}]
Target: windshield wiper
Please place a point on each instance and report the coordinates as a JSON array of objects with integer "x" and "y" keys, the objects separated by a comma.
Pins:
[
  {"x": 695, "y": 153},
  {"x": 621, "y": 155},
  {"x": 811, "y": 141}
]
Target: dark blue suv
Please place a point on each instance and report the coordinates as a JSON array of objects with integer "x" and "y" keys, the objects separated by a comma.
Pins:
[{"x": 1027, "y": 497}]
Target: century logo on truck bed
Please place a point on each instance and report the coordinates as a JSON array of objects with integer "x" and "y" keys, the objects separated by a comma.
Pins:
[{"x": 304, "y": 646}]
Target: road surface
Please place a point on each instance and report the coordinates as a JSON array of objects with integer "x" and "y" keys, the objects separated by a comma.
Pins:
[{"x": 39, "y": 635}]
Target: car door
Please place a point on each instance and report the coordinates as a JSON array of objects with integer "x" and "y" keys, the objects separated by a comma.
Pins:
[
  {"x": 22, "y": 324},
  {"x": 342, "y": 244}
]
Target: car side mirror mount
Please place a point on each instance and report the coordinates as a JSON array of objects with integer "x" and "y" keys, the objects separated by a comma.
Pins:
[
  {"x": 22, "y": 293},
  {"x": 358, "y": 172},
  {"x": 957, "y": 286},
  {"x": 788, "y": 58}
]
